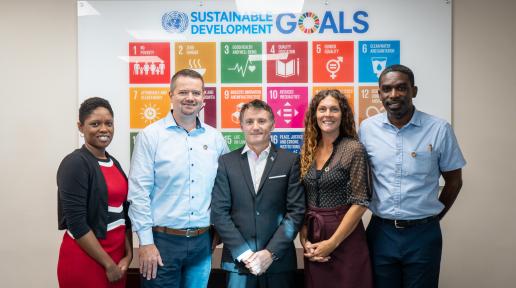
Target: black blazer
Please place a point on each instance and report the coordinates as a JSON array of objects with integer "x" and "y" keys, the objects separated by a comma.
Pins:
[
  {"x": 268, "y": 219},
  {"x": 82, "y": 195}
]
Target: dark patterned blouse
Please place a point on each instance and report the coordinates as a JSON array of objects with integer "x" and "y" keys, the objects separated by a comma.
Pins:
[{"x": 343, "y": 180}]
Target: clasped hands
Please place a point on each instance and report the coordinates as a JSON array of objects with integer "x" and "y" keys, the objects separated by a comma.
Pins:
[
  {"x": 258, "y": 262},
  {"x": 320, "y": 251},
  {"x": 115, "y": 272}
]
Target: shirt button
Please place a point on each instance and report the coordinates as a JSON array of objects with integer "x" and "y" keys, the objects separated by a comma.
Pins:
[
  {"x": 193, "y": 197},
  {"x": 190, "y": 148},
  {"x": 192, "y": 164},
  {"x": 191, "y": 213},
  {"x": 257, "y": 213},
  {"x": 193, "y": 180}
]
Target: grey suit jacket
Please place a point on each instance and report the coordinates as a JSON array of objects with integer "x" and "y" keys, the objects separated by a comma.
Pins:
[{"x": 268, "y": 219}]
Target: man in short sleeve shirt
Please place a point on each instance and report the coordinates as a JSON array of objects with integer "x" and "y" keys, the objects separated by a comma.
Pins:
[{"x": 408, "y": 151}]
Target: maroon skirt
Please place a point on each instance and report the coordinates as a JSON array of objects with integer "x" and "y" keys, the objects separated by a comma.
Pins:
[{"x": 350, "y": 265}]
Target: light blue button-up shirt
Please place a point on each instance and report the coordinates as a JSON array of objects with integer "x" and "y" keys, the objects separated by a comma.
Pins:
[
  {"x": 172, "y": 176},
  {"x": 407, "y": 163}
]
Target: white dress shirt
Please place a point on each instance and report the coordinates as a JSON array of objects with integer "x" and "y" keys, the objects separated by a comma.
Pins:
[{"x": 256, "y": 166}]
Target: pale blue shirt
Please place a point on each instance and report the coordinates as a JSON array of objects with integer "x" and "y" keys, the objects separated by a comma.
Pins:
[
  {"x": 172, "y": 175},
  {"x": 406, "y": 164}
]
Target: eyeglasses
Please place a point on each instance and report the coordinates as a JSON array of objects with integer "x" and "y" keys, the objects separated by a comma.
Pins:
[{"x": 185, "y": 93}]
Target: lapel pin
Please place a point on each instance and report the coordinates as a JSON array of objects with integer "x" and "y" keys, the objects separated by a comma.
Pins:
[
  {"x": 272, "y": 158},
  {"x": 326, "y": 169}
]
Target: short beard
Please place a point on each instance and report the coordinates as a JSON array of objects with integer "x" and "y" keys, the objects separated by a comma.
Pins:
[
  {"x": 402, "y": 113},
  {"x": 399, "y": 114}
]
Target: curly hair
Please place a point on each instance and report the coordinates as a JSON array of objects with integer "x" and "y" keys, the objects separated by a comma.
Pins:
[{"x": 313, "y": 135}]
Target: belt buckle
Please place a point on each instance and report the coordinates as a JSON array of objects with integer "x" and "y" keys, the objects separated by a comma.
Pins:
[
  {"x": 191, "y": 232},
  {"x": 397, "y": 226}
]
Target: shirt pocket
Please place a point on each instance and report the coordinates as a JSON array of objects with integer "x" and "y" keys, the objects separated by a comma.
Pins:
[
  {"x": 277, "y": 177},
  {"x": 420, "y": 163},
  {"x": 209, "y": 161}
]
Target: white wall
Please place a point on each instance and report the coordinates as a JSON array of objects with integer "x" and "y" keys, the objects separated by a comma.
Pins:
[{"x": 38, "y": 106}]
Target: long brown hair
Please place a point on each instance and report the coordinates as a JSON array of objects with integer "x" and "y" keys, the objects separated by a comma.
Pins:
[{"x": 312, "y": 134}]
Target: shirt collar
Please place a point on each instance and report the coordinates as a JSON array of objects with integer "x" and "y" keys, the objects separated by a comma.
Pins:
[
  {"x": 415, "y": 120},
  {"x": 266, "y": 151},
  {"x": 171, "y": 122}
]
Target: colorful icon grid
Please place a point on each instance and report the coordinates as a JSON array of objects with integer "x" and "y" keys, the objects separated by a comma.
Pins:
[{"x": 285, "y": 74}]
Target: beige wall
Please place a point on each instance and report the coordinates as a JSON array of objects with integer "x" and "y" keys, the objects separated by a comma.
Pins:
[
  {"x": 38, "y": 90},
  {"x": 38, "y": 104},
  {"x": 480, "y": 232}
]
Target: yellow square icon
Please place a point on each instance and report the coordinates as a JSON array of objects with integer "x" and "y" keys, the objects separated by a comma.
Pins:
[{"x": 199, "y": 56}]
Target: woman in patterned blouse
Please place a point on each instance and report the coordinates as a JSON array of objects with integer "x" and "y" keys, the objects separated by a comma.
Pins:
[{"x": 334, "y": 172}]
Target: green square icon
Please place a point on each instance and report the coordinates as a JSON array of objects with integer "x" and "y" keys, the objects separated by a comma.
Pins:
[
  {"x": 241, "y": 62},
  {"x": 235, "y": 140},
  {"x": 132, "y": 141}
]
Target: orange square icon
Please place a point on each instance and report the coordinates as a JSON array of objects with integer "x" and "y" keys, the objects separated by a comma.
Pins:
[
  {"x": 147, "y": 104},
  {"x": 369, "y": 103},
  {"x": 333, "y": 61},
  {"x": 199, "y": 56},
  {"x": 233, "y": 98},
  {"x": 348, "y": 91}
]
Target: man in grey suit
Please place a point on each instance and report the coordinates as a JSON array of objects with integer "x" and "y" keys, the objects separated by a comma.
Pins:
[{"x": 258, "y": 205}]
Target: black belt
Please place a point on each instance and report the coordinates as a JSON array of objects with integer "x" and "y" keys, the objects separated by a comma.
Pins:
[{"x": 406, "y": 223}]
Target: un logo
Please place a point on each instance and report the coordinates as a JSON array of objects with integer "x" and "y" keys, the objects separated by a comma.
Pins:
[{"x": 174, "y": 21}]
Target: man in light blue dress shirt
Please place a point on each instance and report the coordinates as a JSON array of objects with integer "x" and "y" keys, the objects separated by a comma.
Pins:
[
  {"x": 173, "y": 169},
  {"x": 408, "y": 151}
]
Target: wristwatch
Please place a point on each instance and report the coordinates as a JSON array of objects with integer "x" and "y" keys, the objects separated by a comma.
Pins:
[{"x": 274, "y": 257}]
